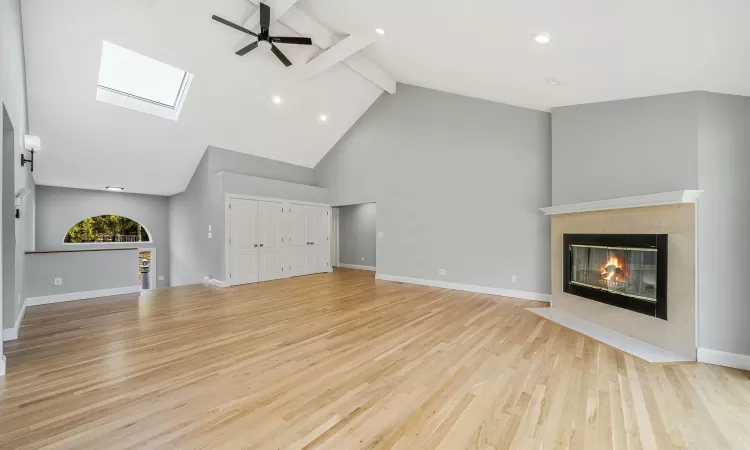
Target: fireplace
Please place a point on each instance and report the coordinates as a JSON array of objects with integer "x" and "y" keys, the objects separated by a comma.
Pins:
[{"x": 624, "y": 270}]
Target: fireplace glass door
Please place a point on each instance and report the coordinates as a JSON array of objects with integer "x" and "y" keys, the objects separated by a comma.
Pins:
[{"x": 625, "y": 271}]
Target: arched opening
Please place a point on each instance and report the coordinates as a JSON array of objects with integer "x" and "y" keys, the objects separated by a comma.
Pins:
[{"x": 106, "y": 229}]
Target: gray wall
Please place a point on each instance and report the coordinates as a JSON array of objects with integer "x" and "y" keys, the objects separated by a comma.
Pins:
[
  {"x": 58, "y": 209},
  {"x": 358, "y": 234},
  {"x": 80, "y": 272},
  {"x": 695, "y": 140},
  {"x": 13, "y": 98},
  {"x": 458, "y": 184},
  {"x": 624, "y": 148},
  {"x": 195, "y": 256},
  {"x": 723, "y": 224}
]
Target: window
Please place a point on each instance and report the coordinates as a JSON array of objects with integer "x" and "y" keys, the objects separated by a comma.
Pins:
[
  {"x": 106, "y": 229},
  {"x": 137, "y": 82}
]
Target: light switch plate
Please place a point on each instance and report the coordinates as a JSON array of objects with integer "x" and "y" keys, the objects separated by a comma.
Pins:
[
  {"x": 441, "y": 272},
  {"x": 513, "y": 278},
  {"x": 381, "y": 234},
  {"x": 161, "y": 277},
  {"x": 363, "y": 258},
  {"x": 58, "y": 281},
  {"x": 209, "y": 228}
]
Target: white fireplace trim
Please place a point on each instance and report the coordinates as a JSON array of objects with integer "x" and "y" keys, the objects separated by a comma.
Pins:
[
  {"x": 639, "y": 201},
  {"x": 627, "y": 344}
]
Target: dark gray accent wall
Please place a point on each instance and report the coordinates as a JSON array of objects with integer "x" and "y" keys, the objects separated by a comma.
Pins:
[
  {"x": 624, "y": 148},
  {"x": 724, "y": 223},
  {"x": 458, "y": 184},
  {"x": 58, "y": 209},
  {"x": 358, "y": 234}
]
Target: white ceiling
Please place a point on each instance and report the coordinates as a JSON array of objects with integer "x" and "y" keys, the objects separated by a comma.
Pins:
[
  {"x": 600, "y": 50},
  {"x": 90, "y": 144}
]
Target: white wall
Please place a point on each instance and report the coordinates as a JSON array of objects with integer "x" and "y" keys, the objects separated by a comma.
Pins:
[
  {"x": 13, "y": 98},
  {"x": 458, "y": 184},
  {"x": 58, "y": 209}
]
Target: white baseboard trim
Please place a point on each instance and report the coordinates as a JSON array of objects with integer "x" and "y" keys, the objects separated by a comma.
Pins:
[
  {"x": 736, "y": 360},
  {"x": 214, "y": 282},
  {"x": 467, "y": 287},
  {"x": 354, "y": 266},
  {"x": 11, "y": 334},
  {"x": 2, "y": 365},
  {"x": 47, "y": 299},
  {"x": 628, "y": 344}
]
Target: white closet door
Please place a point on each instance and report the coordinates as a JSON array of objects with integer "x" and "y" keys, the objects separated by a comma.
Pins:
[
  {"x": 270, "y": 245},
  {"x": 299, "y": 241},
  {"x": 321, "y": 250},
  {"x": 311, "y": 223},
  {"x": 243, "y": 241}
]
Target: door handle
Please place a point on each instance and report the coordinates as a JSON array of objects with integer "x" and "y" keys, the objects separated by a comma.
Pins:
[
  {"x": 261, "y": 245},
  {"x": 255, "y": 245}
]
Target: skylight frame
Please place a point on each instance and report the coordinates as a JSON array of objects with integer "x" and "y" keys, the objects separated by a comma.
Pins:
[{"x": 135, "y": 102}]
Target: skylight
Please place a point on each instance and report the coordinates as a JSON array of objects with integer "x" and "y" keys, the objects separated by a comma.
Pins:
[{"x": 137, "y": 82}]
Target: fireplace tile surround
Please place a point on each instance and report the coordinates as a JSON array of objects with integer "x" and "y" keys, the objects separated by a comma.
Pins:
[{"x": 678, "y": 221}]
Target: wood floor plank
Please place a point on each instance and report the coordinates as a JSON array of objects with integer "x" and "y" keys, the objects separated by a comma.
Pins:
[{"x": 344, "y": 361}]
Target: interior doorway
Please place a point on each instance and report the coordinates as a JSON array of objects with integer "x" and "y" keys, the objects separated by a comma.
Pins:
[
  {"x": 8, "y": 244},
  {"x": 354, "y": 230},
  {"x": 147, "y": 254}
]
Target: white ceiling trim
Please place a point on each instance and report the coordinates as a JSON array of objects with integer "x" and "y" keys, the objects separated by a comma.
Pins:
[
  {"x": 303, "y": 24},
  {"x": 334, "y": 55}
]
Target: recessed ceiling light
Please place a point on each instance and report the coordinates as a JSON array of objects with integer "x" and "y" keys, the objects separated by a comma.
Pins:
[
  {"x": 323, "y": 118},
  {"x": 379, "y": 30},
  {"x": 115, "y": 188},
  {"x": 276, "y": 99},
  {"x": 542, "y": 38},
  {"x": 553, "y": 81}
]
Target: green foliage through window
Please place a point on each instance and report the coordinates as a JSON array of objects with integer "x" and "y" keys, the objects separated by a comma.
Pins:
[{"x": 107, "y": 229}]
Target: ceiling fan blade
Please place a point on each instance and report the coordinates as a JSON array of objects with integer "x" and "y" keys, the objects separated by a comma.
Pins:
[
  {"x": 292, "y": 40},
  {"x": 245, "y": 50},
  {"x": 235, "y": 26},
  {"x": 265, "y": 17},
  {"x": 280, "y": 55}
]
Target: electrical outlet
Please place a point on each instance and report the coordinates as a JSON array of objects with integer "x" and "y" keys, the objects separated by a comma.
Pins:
[
  {"x": 363, "y": 259},
  {"x": 58, "y": 281},
  {"x": 441, "y": 272},
  {"x": 161, "y": 277},
  {"x": 513, "y": 278},
  {"x": 210, "y": 235}
]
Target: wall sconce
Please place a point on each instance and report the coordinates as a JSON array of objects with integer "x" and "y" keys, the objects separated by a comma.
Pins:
[{"x": 33, "y": 144}]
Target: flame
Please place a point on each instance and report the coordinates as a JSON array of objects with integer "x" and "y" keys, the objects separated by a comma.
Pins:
[{"x": 613, "y": 270}]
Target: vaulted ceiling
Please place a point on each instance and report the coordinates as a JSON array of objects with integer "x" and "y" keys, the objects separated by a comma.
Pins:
[{"x": 598, "y": 51}]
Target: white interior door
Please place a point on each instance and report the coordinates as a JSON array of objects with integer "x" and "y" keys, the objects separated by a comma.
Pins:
[
  {"x": 299, "y": 242},
  {"x": 243, "y": 241},
  {"x": 270, "y": 241},
  {"x": 321, "y": 249}
]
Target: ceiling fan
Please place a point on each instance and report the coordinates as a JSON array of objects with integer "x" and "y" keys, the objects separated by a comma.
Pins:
[{"x": 264, "y": 39}]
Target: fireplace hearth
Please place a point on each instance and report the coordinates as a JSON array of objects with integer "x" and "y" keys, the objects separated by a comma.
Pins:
[{"x": 624, "y": 270}]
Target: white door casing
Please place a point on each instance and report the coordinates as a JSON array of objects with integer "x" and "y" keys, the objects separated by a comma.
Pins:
[{"x": 243, "y": 241}]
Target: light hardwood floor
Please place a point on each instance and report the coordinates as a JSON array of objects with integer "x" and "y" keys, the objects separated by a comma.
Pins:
[{"x": 343, "y": 361}]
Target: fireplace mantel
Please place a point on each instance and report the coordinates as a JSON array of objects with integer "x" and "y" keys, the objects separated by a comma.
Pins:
[{"x": 639, "y": 201}]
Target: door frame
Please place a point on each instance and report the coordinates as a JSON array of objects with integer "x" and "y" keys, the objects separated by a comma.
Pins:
[
  {"x": 227, "y": 198},
  {"x": 154, "y": 278}
]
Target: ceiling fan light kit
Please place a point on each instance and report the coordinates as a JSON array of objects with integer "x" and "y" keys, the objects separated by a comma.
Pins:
[{"x": 265, "y": 40}]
